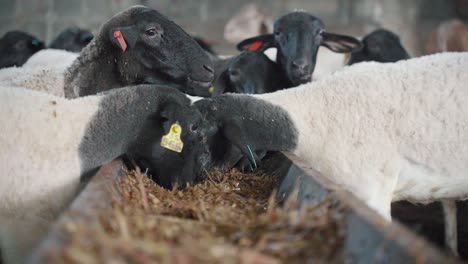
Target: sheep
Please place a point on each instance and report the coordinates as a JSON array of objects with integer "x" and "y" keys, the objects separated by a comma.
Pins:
[
  {"x": 381, "y": 45},
  {"x": 297, "y": 37},
  {"x": 16, "y": 47},
  {"x": 451, "y": 35},
  {"x": 383, "y": 131},
  {"x": 249, "y": 72},
  {"x": 51, "y": 58},
  {"x": 72, "y": 39},
  {"x": 44, "y": 71},
  {"x": 50, "y": 145},
  {"x": 137, "y": 46},
  {"x": 49, "y": 80},
  {"x": 250, "y": 21}
]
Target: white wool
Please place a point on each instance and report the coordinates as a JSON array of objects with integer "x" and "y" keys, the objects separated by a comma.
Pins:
[
  {"x": 32, "y": 120},
  {"x": 47, "y": 79},
  {"x": 386, "y": 131},
  {"x": 51, "y": 58},
  {"x": 44, "y": 71}
]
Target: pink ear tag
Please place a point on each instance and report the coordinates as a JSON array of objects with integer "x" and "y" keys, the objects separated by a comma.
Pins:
[
  {"x": 118, "y": 35},
  {"x": 255, "y": 46}
]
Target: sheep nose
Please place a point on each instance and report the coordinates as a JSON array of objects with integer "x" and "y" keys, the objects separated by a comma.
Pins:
[{"x": 299, "y": 65}]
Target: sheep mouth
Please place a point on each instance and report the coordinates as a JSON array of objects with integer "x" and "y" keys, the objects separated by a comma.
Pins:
[
  {"x": 202, "y": 85},
  {"x": 302, "y": 80}
]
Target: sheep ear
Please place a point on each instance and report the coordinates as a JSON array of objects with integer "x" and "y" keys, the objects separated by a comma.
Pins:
[
  {"x": 86, "y": 37},
  {"x": 168, "y": 113},
  {"x": 123, "y": 37},
  {"x": 259, "y": 43},
  {"x": 340, "y": 43}
]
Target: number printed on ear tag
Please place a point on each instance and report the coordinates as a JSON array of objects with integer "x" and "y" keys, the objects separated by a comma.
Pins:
[{"x": 172, "y": 139}]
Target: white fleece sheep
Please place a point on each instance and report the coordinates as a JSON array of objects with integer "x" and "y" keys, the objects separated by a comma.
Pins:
[
  {"x": 384, "y": 131},
  {"x": 51, "y": 58},
  {"x": 30, "y": 200},
  {"x": 44, "y": 71},
  {"x": 47, "y": 143}
]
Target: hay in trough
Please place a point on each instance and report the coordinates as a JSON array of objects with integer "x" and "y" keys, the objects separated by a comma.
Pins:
[{"x": 229, "y": 218}]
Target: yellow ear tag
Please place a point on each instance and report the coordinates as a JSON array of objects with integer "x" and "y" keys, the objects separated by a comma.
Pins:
[
  {"x": 172, "y": 140},
  {"x": 211, "y": 90}
]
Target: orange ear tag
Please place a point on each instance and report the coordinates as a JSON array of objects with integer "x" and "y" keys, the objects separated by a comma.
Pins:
[
  {"x": 118, "y": 35},
  {"x": 255, "y": 46}
]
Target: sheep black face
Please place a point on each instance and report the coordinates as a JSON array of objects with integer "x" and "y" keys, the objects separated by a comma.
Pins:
[
  {"x": 16, "y": 47},
  {"x": 381, "y": 45},
  {"x": 150, "y": 48},
  {"x": 72, "y": 39},
  {"x": 297, "y": 36},
  {"x": 252, "y": 73},
  {"x": 167, "y": 167}
]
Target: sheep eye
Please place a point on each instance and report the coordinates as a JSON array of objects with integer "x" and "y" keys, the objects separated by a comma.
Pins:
[
  {"x": 277, "y": 32},
  {"x": 151, "y": 32},
  {"x": 194, "y": 128}
]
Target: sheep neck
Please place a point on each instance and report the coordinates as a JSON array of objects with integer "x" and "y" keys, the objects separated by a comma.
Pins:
[{"x": 94, "y": 71}]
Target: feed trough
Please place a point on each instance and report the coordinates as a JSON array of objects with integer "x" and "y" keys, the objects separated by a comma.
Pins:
[{"x": 232, "y": 217}]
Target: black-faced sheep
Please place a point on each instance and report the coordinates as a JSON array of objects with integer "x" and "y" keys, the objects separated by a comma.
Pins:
[
  {"x": 384, "y": 131},
  {"x": 16, "y": 47},
  {"x": 249, "y": 72},
  {"x": 297, "y": 37},
  {"x": 49, "y": 144},
  {"x": 72, "y": 39},
  {"x": 140, "y": 45},
  {"x": 381, "y": 46}
]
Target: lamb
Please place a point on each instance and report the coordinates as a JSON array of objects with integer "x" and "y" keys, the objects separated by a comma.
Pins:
[
  {"x": 380, "y": 45},
  {"x": 137, "y": 46},
  {"x": 297, "y": 37},
  {"x": 50, "y": 145},
  {"x": 72, "y": 39},
  {"x": 16, "y": 47},
  {"x": 383, "y": 131},
  {"x": 249, "y": 72},
  {"x": 451, "y": 35}
]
